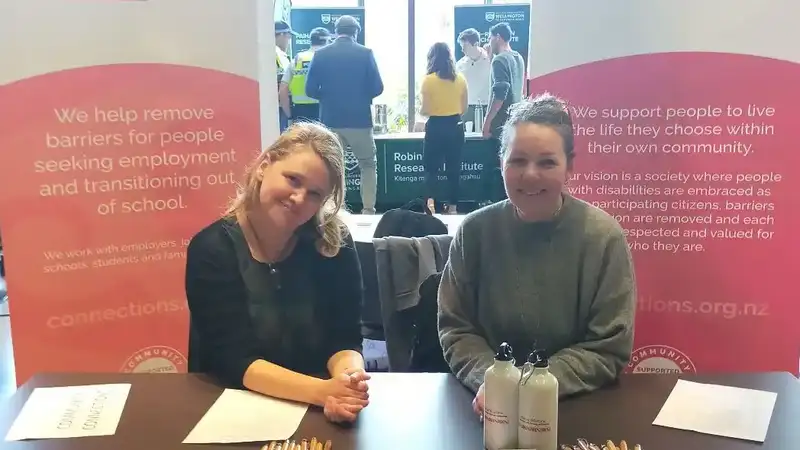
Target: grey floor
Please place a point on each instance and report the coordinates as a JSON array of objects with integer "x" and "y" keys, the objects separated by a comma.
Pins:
[{"x": 7, "y": 381}]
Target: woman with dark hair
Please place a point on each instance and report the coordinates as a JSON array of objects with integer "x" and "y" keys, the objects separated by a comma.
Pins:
[
  {"x": 541, "y": 269},
  {"x": 444, "y": 101}
]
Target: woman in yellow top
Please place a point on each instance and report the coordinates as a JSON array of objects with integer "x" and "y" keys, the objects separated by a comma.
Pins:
[{"x": 444, "y": 101}]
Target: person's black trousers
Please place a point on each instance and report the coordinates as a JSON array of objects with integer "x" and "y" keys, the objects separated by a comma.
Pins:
[
  {"x": 491, "y": 176},
  {"x": 444, "y": 143}
]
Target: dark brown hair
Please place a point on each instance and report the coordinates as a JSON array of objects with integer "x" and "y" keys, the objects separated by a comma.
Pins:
[
  {"x": 440, "y": 61},
  {"x": 503, "y": 30},
  {"x": 470, "y": 35},
  {"x": 544, "y": 109}
]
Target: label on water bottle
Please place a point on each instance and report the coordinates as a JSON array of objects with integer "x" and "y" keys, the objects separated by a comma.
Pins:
[
  {"x": 535, "y": 425},
  {"x": 493, "y": 416}
]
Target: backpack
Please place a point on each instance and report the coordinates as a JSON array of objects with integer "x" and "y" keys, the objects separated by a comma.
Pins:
[
  {"x": 410, "y": 220},
  {"x": 426, "y": 353}
]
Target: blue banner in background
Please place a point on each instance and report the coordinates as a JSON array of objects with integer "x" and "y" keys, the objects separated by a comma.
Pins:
[
  {"x": 303, "y": 20},
  {"x": 483, "y": 17}
]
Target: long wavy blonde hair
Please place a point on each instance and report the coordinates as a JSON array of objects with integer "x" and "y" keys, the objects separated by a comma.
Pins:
[{"x": 326, "y": 228}]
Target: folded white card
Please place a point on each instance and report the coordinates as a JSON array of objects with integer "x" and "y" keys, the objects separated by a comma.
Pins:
[
  {"x": 718, "y": 410},
  {"x": 70, "y": 411},
  {"x": 244, "y": 416}
]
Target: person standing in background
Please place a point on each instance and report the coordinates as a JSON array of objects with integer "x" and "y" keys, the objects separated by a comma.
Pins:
[
  {"x": 476, "y": 67},
  {"x": 344, "y": 77},
  {"x": 444, "y": 101},
  {"x": 507, "y": 80},
  {"x": 294, "y": 102},
  {"x": 283, "y": 38}
]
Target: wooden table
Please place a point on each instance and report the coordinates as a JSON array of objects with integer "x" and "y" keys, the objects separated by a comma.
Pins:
[{"x": 415, "y": 411}]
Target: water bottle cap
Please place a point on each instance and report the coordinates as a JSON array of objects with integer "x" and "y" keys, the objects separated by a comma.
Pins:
[
  {"x": 538, "y": 359},
  {"x": 504, "y": 353}
]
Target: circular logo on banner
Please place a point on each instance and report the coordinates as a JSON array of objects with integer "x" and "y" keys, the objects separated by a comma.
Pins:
[
  {"x": 155, "y": 359},
  {"x": 660, "y": 359}
]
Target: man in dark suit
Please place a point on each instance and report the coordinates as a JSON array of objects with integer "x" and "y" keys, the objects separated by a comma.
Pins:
[{"x": 344, "y": 77}]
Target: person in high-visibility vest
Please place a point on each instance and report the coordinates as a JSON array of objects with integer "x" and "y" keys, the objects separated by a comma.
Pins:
[
  {"x": 283, "y": 38},
  {"x": 292, "y": 94}
]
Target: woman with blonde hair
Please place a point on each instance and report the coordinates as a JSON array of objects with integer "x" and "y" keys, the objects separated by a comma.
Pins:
[{"x": 274, "y": 287}]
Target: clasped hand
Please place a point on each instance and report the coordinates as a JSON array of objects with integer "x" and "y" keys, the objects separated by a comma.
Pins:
[
  {"x": 345, "y": 395},
  {"x": 478, "y": 402}
]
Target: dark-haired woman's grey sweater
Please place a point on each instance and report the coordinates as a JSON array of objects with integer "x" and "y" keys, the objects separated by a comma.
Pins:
[{"x": 566, "y": 286}]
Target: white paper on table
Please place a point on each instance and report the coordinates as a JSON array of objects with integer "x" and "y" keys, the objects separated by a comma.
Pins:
[
  {"x": 244, "y": 416},
  {"x": 70, "y": 412},
  {"x": 719, "y": 410}
]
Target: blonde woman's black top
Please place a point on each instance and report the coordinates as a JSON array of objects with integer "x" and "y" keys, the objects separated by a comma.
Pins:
[{"x": 296, "y": 313}]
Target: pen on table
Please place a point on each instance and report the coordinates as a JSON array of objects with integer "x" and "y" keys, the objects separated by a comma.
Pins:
[
  {"x": 304, "y": 444},
  {"x": 623, "y": 445},
  {"x": 313, "y": 444},
  {"x": 328, "y": 445},
  {"x": 611, "y": 445},
  {"x": 271, "y": 446}
]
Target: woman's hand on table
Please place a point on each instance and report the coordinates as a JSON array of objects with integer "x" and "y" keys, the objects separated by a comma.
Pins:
[
  {"x": 358, "y": 379},
  {"x": 342, "y": 410},
  {"x": 477, "y": 402},
  {"x": 345, "y": 395}
]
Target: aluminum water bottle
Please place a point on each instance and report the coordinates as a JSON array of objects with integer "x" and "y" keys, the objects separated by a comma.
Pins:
[
  {"x": 538, "y": 405},
  {"x": 501, "y": 397}
]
